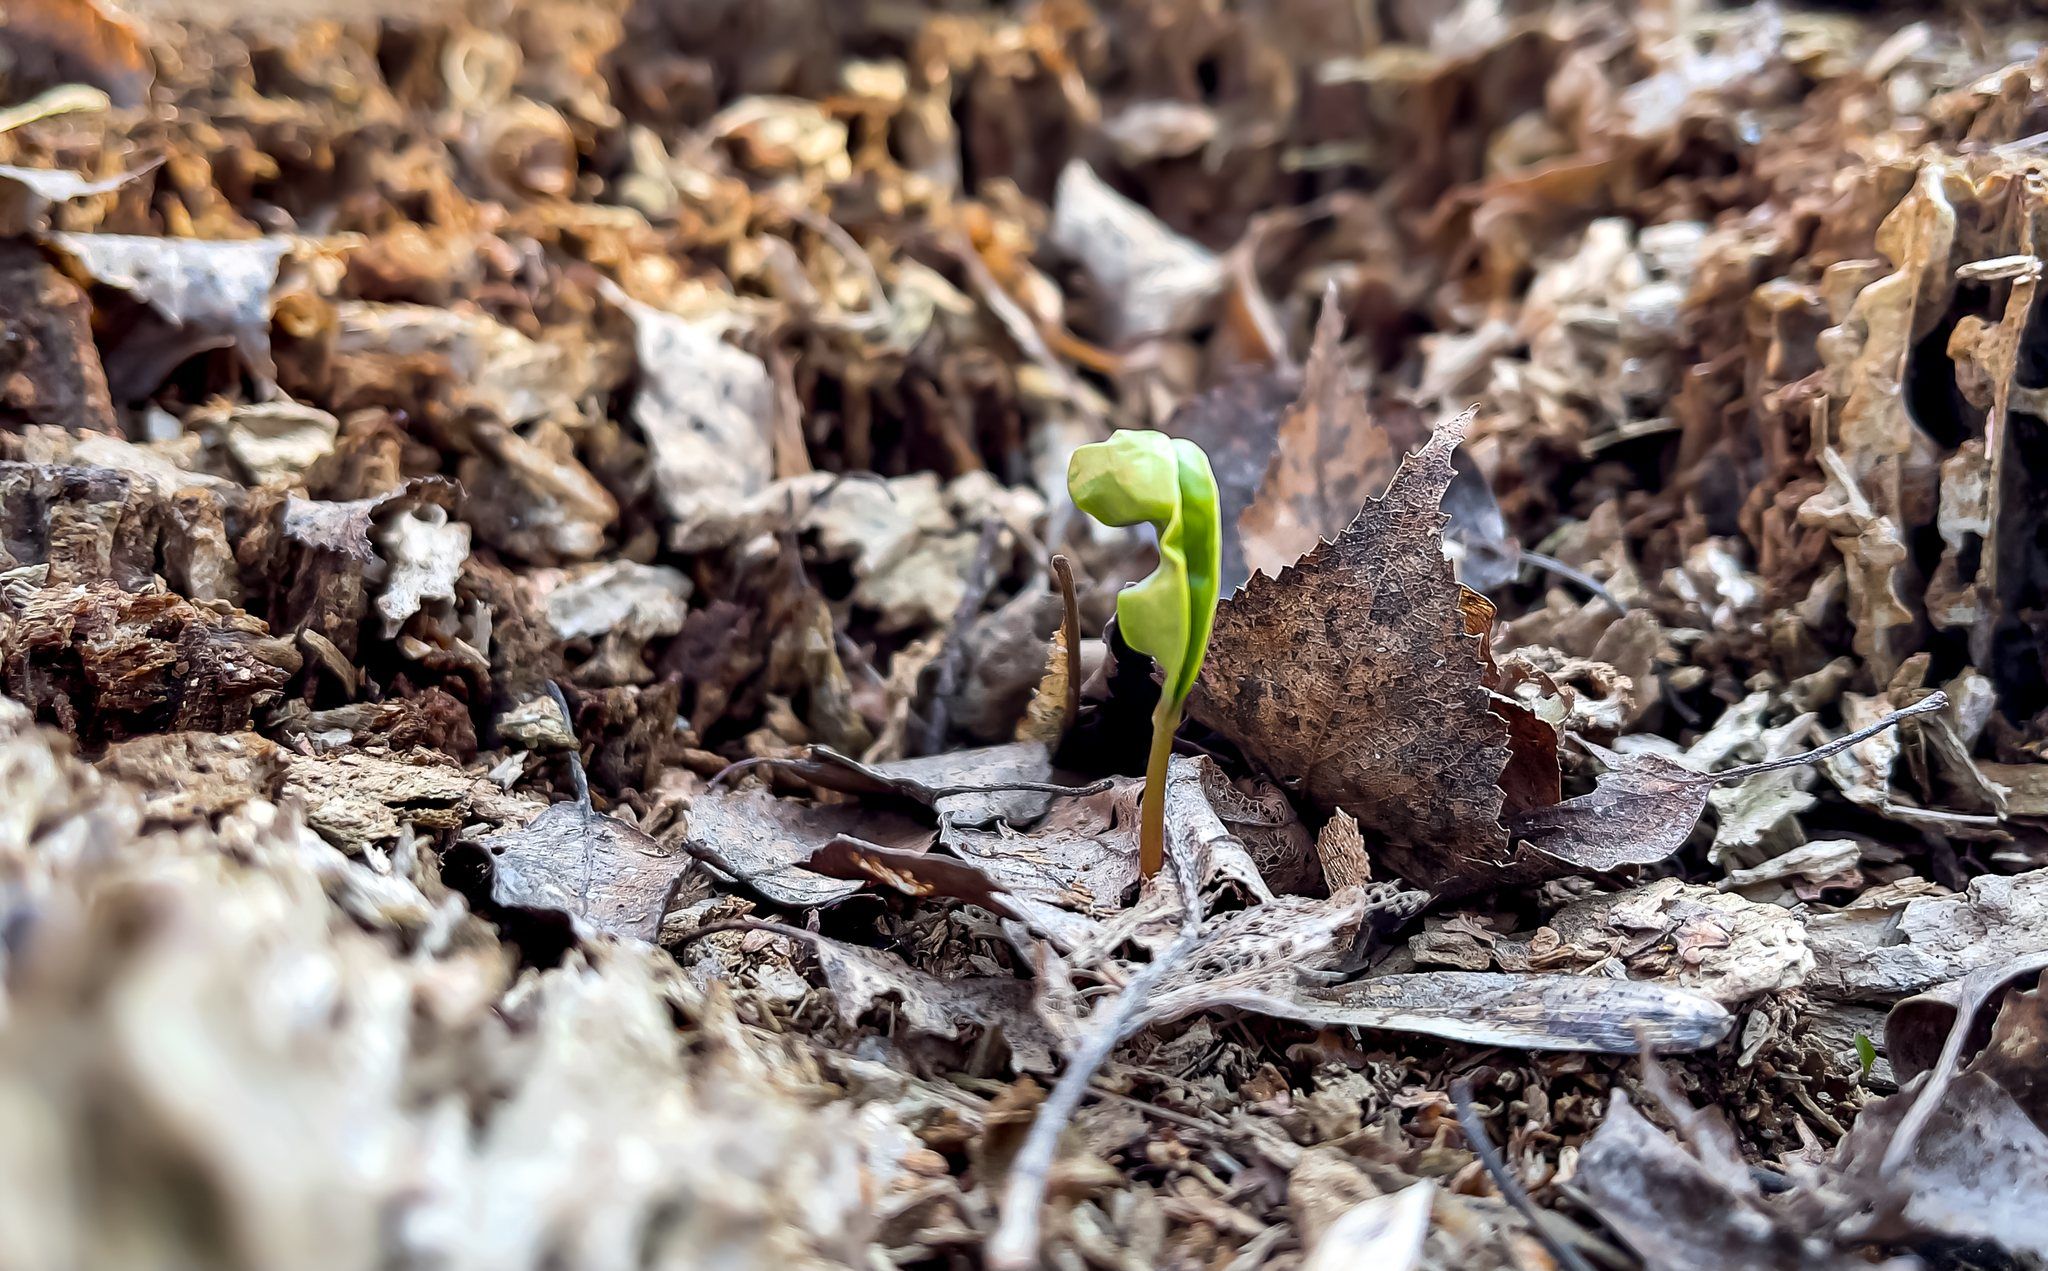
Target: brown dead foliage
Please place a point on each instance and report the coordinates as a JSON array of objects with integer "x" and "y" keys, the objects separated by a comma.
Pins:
[{"x": 534, "y": 733}]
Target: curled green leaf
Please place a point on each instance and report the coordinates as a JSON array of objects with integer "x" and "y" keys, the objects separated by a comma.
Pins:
[{"x": 1142, "y": 476}]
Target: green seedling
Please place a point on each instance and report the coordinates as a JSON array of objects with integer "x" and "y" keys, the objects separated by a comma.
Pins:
[{"x": 1147, "y": 476}]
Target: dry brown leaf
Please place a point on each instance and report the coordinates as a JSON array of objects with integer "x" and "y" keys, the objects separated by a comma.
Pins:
[
  {"x": 573, "y": 862},
  {"x": 1045, "y": 719},
  {"x": 1237, "y": 424},
  {"x": 1340, "y": 849},
  {"x": 308, "y": 1032},
  {"x": 109, "y": 663},
  {"x": 56, "y": 378},
  {"x": 28, "y": 194},
  {"x": 1012, "y": 782},
  {"x": 423, "y": 553},
  {"x": 64, "y": 41},
  {"x": 913, "y": 873},
  {"x": 1964, "y": 589},
  {"x": 1947, "y": 1155},
  {"x": 354, "y": 800},
  {"x": 1682, "y": 1211},
  {"x": 1645, "y": 805},
  {"x": 1715, "y": 944},
  {"x": 1917, "y": 1030},
  {"x": 1148, "y": 280},
  {"x": 620, "y": 606},
  {"x": 274, "y": 441},
  {"x": 1351, "y": 680},
  {"x": 1385, "y": 1232},
  {"x": 861, "y": 979},
  {"x": 762, "y": 841},
  {"x": 1529, "y": 1012},
  {"x": 1329, "y": 458},
  {"x": 1875, "y": 454},
  {"x": 1074, "y": 875},
  {"x": 705, "y": 407},
  {"x": 1250, "y": 955}
]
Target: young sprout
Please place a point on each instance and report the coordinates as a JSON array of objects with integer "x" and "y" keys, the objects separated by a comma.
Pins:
[{"x": 1147, "y": 476}]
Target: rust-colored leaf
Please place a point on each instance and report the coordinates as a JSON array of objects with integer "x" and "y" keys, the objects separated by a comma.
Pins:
[{"x": 1352, "y": 680}]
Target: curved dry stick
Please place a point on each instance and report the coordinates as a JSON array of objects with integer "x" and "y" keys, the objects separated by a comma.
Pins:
[
  {"x": 1014, "y": 1247},
  {"x": 1070, "y": 635},
  {"x": 1552, "y": 565},
  {"x": 1510, "y": 1187}
]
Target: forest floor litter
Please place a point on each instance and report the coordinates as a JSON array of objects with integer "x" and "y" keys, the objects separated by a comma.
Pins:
[{"x": 557, "y": 709}]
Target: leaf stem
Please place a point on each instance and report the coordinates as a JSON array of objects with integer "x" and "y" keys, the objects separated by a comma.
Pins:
[{"x": 1152, "y": 813}]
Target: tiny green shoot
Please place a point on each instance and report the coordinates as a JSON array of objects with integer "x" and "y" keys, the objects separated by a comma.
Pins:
[
  {"x": 1139, "y": 475},
  {"x": 1866, "y": 1053}
]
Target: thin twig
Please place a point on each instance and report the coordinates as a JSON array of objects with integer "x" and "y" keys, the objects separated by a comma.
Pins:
[
  {"x": 1034, "y": 787},
  {"x": 738, "y": 766},
  {"x": 1551, "y": 564},
  {"x": 954, "y": 655},
  {"x": 1070, "y": 636},
  {"x": 746, "y": 924},
  {"x": 880, "y": 311},
  {"x": 814, "y": 753},
  {"x": 1934, "y": 701},
  {"x": 1510, "y": 1187},
  {"x": 1014, "y": 1246},
  {"x": 579, "y": 780}
]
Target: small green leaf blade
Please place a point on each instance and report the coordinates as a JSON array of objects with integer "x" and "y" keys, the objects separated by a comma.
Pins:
[{"x": 1144, "y": 476}]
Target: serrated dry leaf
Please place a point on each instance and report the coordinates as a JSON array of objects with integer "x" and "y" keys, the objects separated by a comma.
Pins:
[
  {"x": 1645, "y": 805},
  {"x": 1329, "y": 458},
  {"x": 1351, "y": 680}
]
